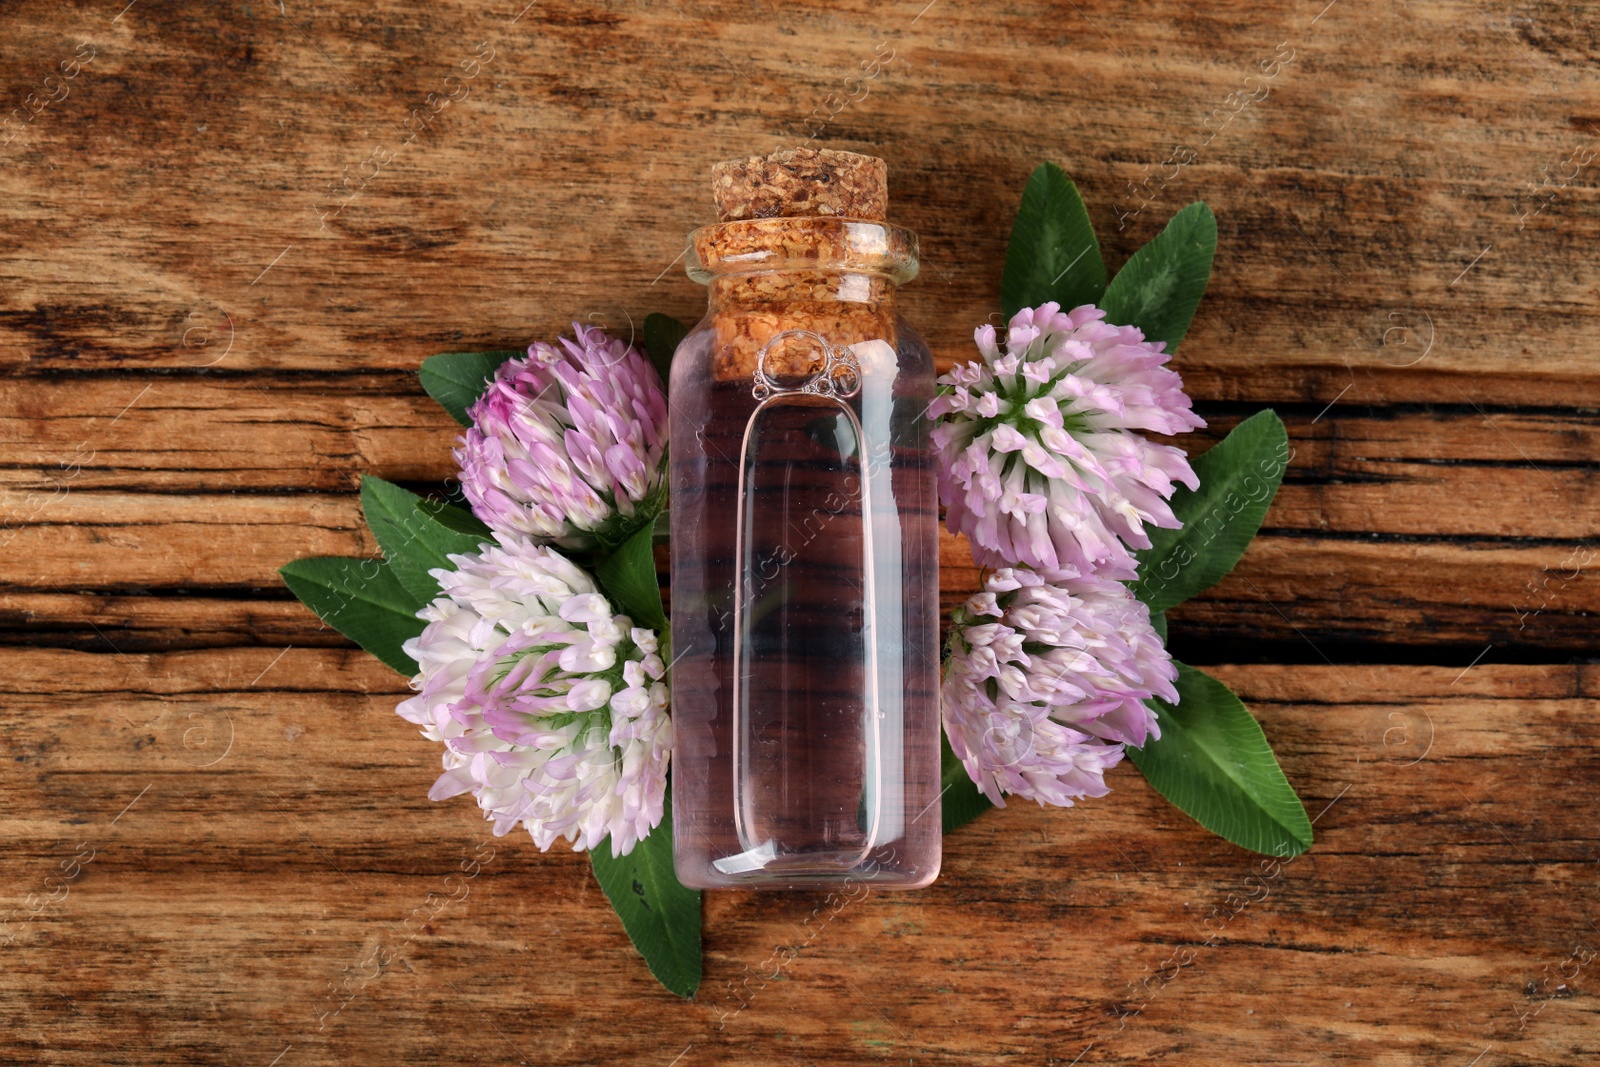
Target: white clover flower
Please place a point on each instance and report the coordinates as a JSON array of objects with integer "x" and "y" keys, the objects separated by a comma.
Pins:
[{"x": 552, "y": 709}]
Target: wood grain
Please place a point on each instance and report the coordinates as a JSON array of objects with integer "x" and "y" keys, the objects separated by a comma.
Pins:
[
  {"x": 261, "y": 836},
  {"x": 213, "y": 301},
  {"x": 1469, "y": 526}
]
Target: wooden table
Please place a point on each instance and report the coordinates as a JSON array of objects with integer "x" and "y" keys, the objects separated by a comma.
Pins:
[{"x": 225, "y": 253}]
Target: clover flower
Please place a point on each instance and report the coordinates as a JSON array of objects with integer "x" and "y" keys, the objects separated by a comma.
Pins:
[
  {"x": 569, "y": 444},
  {"x": 1047, "y": 681},
  {"x": 552, "y": 709},
  {"x": 1037, "y": 459}
]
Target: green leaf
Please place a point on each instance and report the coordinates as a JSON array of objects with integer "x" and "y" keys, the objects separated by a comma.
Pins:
[
  {"x": 362, "y": 599},
  {"x": 456, "y": 379},
  {"x": 1213, "y": 762},
  {"x": 960, "y": 797},
  {"x": 412, "y": 534},
  {"x": 661, "y": 916},
  {"x": 1159, "y": 288},
  {"x": 1238, "y": 479},
  {"x": 628, "y": 578},
  {"x": 1158, "y": 622},
  {"x": 662, "y": 335},
  {"x": 456, "y": 518},
  {"x": 1053, "y": 254}
]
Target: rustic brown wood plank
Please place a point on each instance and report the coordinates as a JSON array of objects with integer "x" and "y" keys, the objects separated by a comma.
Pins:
[
  {"x": 1482, "y": 499},
  {"x": 295, "y": 433},
  {"x": 290, "y": 839},
  {"x": 1399, "y": 591},
  {"x": 1467, "y": 523},
  {"x": 1533, "y": 598},
  {"x": 1351, "y": 197},
  {"x": 142, "y": 622},
  {"x": 1300, "y": 595},
  {"x": 211, "y": 434}
]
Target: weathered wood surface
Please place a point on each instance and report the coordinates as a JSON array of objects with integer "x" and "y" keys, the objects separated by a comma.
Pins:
[
  {"x": 212, "y": 303},
  {"x": 1410, "y": 526},
  {"x": 261, "y": 842}
]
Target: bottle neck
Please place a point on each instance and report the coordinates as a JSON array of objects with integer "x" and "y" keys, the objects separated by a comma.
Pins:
[{"x": 827, "y": 277}]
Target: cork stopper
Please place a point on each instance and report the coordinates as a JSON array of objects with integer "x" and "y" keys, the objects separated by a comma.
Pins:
[
  {"x": 812, "y": 260},
  {"x": 800, "y": 182}
]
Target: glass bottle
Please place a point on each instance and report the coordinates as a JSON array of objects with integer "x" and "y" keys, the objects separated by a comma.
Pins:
[{"x": 805, "y": 581}]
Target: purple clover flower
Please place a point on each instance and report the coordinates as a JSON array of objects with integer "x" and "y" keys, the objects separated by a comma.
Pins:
[
  {"x": 568, "y": 446},
  {"x": 1047, "y": 681},
  {"x": 1038, "y": 459}
]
